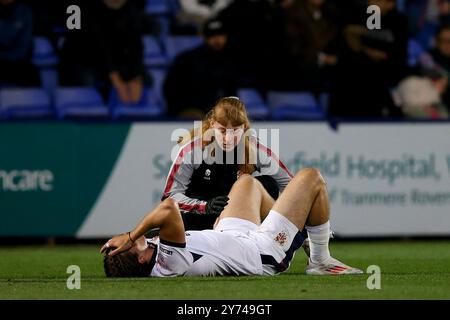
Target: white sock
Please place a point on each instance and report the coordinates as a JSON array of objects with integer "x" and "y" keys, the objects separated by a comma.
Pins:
[{"x": 318, "y": 242}]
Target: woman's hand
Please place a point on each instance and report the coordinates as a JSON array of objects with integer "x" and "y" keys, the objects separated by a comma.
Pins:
[{"x": 216, "y": 205}]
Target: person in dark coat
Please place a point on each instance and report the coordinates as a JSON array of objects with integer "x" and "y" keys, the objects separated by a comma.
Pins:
[
  {"x": 199, "y": 77},
  {"x": 108, "y": 50}
]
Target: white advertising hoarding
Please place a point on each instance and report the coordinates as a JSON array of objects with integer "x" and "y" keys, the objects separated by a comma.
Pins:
[{"x": 386, "y": 179}]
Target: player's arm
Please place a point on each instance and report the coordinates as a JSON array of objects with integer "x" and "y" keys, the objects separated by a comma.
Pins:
[{"x": 166, "y": 216}]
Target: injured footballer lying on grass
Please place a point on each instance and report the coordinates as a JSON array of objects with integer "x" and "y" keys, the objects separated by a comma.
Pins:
[{"x": 254, "y": 235}]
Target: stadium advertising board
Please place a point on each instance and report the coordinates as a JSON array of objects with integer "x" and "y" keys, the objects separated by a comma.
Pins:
[{"x": 385, "y": 179}]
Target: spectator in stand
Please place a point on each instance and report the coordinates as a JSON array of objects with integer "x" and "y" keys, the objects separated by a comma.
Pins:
[
  {"x": 310, "y": 35},
  {"x": 349, "y": 11},
  {"x": 441, "y": 58},
  {"x": 16, "y": 45},
  {"x": 199, "y": 77},
  {"x": 371, "y": 62},
  {"x": 421, "y": 97},
  {"x": 425, "y": 16},
  {"x": 108, "y": 50},
  {"x": 253, "y": 39},
  {"x": 49, "y": 17}
]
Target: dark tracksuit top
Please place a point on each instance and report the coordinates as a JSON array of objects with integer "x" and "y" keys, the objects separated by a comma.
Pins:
[{"x": 195, "y": 178}]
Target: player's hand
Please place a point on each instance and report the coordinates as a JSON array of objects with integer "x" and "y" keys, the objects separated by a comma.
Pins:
[
  {"x": 216, "y": 205},
  {"x": 118, "y": 243}
]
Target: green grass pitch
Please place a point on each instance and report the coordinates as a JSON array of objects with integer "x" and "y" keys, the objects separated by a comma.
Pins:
[{"x": 409, "y": 270}]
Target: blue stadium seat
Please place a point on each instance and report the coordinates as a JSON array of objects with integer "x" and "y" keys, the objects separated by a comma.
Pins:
[
  {"x": 324, "y": 101},
  {"x": 162, "y": 12},
  {"x": 153, "y": 54},
  {"x": 294, "y": 106},
  {"x": 426, "y": 34},
  {"x": 401, "y": 5},
  {"x": 175, "y": 6},
  {"x": 24, "y": 103},
  {"x": 415, "y": 51},
  {"x": 158, "y": 7},
  {"x": 147, "y": 107},
  {"x": 178, "y": 44},
  {"x": 45, "y": 59},
  {"x": 164, "y": 23},
  {"x": 158, "y": 75},
  {"x": 256, "y": 107},
  {"x": 43, "y": 53},
  {"x": 49, "y": 80},
  {"x": 79, "y": 102}
]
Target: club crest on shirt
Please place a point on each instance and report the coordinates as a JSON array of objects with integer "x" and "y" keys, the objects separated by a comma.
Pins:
[
  {"x": 162, "y": 262},
  {"x": 207, "y": 174},
  {"x": 281, "y": 238}
]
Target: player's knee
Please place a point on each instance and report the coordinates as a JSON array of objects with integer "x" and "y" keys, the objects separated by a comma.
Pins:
[
  {"x": 246, "y": 178},
  {"x": 313, "y": 176},
  {"x": 169, "y": 204},
  {"x": 246, "y": 181}
]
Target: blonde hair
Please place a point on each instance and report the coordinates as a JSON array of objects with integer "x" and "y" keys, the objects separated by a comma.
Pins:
[{"x": 226, "y": 110}]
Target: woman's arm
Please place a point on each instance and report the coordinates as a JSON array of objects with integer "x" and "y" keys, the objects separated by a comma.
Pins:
[
  {"x": 179, "y": 178},
  {"x": 270, "y": 164}
]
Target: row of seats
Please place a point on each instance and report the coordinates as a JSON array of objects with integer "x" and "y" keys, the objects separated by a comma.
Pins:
[
  {"x": 70, "y": 102},
  {"x": 162, "y": 7},
  {"x": 158, "y": 55},
  {"x": 157, "y": 52},
  {"x": 293, "y": 106},
  {"x": 161, "y": 52},
  {"x": 74, "y": 102},
  {"x": 166, "y": 7},
  {"x": 281, "y": 105}
]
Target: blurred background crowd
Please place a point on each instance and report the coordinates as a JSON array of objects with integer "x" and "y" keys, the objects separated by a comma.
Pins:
[{"x": 287, "y": 59}]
